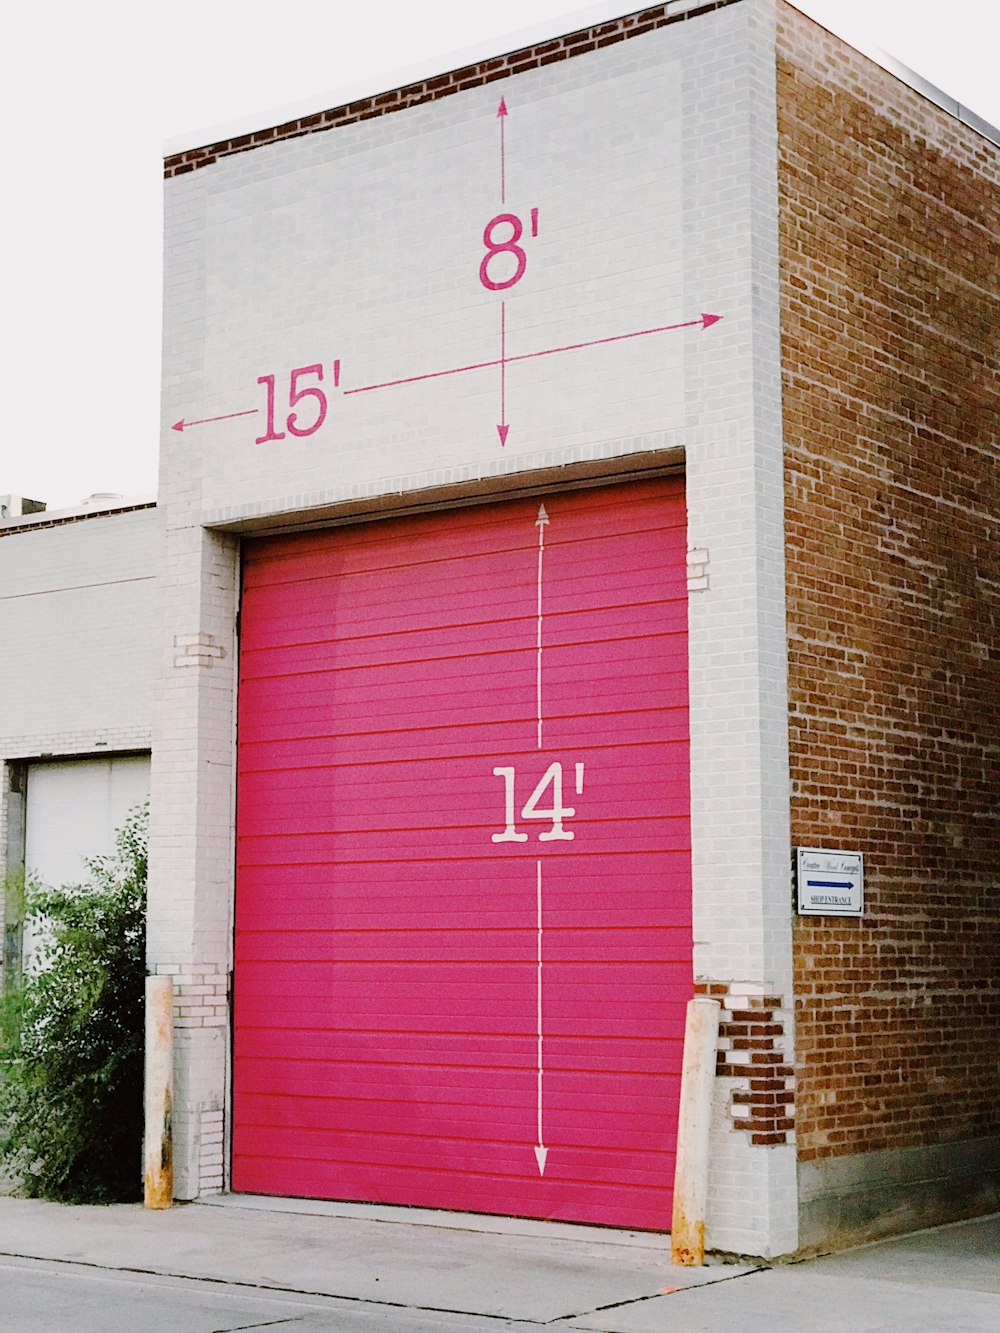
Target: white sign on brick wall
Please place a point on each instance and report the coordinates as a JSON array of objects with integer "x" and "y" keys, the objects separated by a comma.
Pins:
[{"x": 830, "y": 883}]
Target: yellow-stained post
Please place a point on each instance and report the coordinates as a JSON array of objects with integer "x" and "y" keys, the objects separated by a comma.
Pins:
[
  {"x": 694, "y": 1118},
  {"x": 158, "y": 1143}
]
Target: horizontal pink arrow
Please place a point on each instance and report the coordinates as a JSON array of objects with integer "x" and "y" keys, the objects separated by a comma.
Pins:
[
  {"x": 703, "y": 321},
  {"x": 183, "y": 425}
]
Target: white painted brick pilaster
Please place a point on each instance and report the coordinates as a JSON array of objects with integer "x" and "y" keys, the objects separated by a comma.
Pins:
[{"x": 735, "y": 480}]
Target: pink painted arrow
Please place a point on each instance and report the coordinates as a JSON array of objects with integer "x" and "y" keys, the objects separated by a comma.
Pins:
[
  {"x": 502, "y": 426},
  {"x": 183, "y": 425},
  {"x": 702, "y": 322},
  {"x": 502, "y": 117}
]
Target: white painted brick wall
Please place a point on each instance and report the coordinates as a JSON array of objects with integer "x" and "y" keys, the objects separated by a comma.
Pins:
[
  {"x": 76, "y": 651},
  {"x": 189, "y": 934},
  {"x": 364, "y": 244},
  {"x": 652, "y": 164},
  {"x": 76, "y": 635}
]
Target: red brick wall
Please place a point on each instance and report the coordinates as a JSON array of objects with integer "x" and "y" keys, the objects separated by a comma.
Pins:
[{"x": 890, "y": 214}]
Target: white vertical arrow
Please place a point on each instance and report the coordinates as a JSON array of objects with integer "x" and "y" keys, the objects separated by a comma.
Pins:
[
  {"x": 541, "y": 522},
  {"x": 541, "y": 1152}
]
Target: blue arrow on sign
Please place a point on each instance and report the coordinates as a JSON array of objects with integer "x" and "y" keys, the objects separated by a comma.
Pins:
[{"x": 828, "y": 884}]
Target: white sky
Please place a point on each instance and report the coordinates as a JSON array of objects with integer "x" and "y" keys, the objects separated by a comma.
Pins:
[{"x": 91, "y": 93}]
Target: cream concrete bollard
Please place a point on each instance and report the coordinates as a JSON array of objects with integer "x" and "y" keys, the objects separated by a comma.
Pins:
[
  {"x": 694, "y": 1119},
  {"x": 158, "y": 1139}
]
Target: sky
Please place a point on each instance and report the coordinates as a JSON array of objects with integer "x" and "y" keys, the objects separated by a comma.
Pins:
[{"x": 94, "y": 94}]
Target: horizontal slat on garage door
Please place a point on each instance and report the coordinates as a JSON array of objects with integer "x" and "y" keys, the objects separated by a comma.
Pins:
[{"x": 387, "y": 972}]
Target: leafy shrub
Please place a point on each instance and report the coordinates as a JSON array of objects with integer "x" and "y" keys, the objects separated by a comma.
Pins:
[{"x": 71, "y": 1034}]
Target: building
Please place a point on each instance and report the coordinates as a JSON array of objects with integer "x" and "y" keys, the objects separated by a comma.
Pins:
[
  {"x": 77, "y": 694},
  {"x": 578, "y": 494}
]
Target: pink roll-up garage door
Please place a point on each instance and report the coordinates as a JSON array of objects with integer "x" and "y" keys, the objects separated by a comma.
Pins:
[{"x": 463, "y": 942}]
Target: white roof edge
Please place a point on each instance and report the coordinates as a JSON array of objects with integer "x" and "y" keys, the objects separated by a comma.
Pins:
[
  {"x": 913, "y": 80},
  {"x": 545, "y": 30},
  {"x": 386, "y": 81},
  {"x": 101, "y": 509}
]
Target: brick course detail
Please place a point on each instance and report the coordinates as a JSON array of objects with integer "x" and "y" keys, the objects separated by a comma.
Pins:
[
  {"x": 751, "y": 1049},
  {"x": 890, "y": 307}
]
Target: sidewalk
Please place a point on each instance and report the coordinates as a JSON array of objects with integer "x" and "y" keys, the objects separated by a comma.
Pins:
[{"x": 411, "y": 1266}]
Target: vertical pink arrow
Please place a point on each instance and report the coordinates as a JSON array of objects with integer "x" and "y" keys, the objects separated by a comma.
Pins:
[
  {"x": 502, "y": 117},
  {"x": 502, "y": 426}
]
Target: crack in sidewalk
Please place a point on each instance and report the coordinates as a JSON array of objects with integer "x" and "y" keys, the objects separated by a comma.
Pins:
[
  {"x": 268, "y": 1323},
  {"x": 265, "y": 1286},
  {"x": 641, "y": 1300}
]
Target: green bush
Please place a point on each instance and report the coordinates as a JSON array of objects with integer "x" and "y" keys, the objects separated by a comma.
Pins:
[{"x": 71, "y": 1035}]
